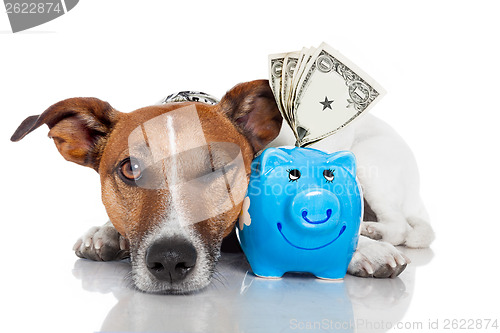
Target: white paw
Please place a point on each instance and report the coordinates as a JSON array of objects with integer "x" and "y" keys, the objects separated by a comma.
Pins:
[
  {"x": 377, "y": 259},
  {"x": 421, "y": 234},
  {"x": 102, "y": 244}
]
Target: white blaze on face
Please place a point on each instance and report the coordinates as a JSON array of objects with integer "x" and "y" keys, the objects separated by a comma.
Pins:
[{"x": 204, "y": 179}]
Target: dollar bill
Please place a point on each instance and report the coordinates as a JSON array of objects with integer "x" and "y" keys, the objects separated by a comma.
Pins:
[
  {"x": 276, "y": 72},
  {"x": 319, "y": 91},
  {"x": 289, "y": 66},
  {"x": 306, "y": 57}
]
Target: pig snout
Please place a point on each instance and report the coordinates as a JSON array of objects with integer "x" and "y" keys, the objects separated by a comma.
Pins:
[{"x": 315, "y": 209}]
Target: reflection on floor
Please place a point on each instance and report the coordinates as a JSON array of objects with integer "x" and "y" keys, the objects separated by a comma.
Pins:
[{"x": 237, "y": 301}]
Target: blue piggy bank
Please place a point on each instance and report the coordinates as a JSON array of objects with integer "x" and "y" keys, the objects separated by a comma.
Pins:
[{"x": 302, "y": 213}]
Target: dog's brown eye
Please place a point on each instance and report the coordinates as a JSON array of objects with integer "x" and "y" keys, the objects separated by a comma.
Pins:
[{"x": 130, "y": 169}]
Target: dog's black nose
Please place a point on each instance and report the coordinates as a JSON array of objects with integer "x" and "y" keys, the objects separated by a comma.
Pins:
[{"x": 171, "y": 259}]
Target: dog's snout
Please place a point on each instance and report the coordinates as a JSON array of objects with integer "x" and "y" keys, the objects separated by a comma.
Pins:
[{"x": 171, "y": 259}]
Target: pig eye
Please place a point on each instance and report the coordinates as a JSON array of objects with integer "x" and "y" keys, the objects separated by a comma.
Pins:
[
  {"x": 130, "y": 170},
  {"x": 328, "y": 174},
  {"x": 293, "y": 175}
]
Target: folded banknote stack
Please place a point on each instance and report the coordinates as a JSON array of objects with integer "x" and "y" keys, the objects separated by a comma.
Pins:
[{"x": 319, "y": 91}]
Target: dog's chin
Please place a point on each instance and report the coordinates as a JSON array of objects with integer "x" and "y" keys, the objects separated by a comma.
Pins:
[
  {"x": 154, "y": 286},
  {"x": 197, "y": 281}
]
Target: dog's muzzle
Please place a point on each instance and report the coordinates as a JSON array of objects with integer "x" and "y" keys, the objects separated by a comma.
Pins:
[{"x": 171, "y": 260}]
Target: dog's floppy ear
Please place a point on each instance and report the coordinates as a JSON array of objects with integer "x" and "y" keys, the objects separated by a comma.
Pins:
[
  {"x": 78, "y": 126},
  {"x": 252, "y": 107}
]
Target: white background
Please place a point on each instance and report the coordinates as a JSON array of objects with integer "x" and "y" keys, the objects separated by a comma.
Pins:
[{"x": 438, "y": 61}]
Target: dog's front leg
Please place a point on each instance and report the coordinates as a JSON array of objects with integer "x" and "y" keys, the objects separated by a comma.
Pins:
[
  {"x": 377, "y": 259},
  {"x": 102, "y": 243}
]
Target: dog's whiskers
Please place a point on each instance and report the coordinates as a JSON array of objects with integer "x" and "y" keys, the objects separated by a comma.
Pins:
[
  {"x": 128, "y": 280},
  {"x": 219, "y": 278}
]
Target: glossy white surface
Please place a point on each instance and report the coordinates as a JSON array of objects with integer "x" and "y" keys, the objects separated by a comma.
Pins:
[
  {"x": 98, "y": 296},
  {"x": 237, "y": 301}
]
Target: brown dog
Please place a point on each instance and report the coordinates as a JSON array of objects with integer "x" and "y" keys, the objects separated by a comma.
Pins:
[{"x": 166, "y": 254}]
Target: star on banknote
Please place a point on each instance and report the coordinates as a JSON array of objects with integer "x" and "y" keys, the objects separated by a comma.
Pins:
[{"x": 327, "y": 104}]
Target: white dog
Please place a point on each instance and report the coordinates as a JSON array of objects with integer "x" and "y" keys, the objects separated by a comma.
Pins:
[{"x": 394, "y": 212}]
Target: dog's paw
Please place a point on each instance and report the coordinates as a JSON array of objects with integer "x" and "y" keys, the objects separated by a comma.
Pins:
[
  {"x": 393, "y": 233},
  {"x": 377, "y": 259},
  {"x": 102, "y": 244},
  {"x": 372, "y": 230}
]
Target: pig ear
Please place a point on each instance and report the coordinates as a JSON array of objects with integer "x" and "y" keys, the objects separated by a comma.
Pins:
[
  {"x": 271, "y": 158},
  {"x": 78, "y": 126},
  {"x": 252, "y": 108},
  {"x": 345, "y": 159}
]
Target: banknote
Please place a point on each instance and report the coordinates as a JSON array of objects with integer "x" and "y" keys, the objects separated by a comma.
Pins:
[
  {"x": 305, "y": 58},
  {"x": 275, "y": 73},
  {"x": 319, "y": 91},
  {"x": 289, "y": 65}
]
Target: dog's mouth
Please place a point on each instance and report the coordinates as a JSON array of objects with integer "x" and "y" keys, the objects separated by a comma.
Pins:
[{"x": 280, "y": 228}]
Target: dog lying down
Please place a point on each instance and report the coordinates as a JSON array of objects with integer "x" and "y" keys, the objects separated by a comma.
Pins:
[{"x": 174, "y": 176}]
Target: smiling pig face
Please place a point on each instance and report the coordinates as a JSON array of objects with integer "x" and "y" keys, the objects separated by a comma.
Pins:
[{"x": 302, "y": 213}]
